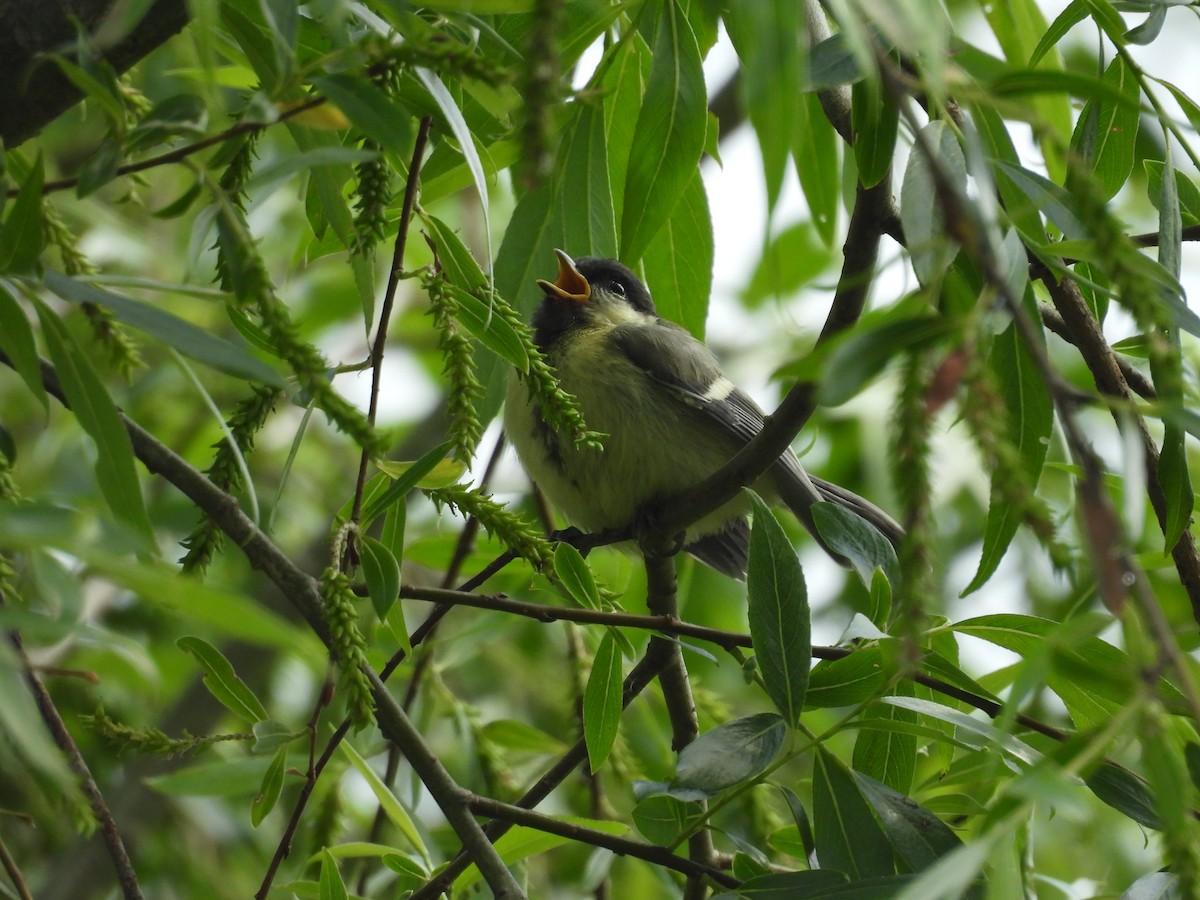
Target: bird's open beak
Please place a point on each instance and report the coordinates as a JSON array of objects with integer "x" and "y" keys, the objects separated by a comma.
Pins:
[{"x": 570, "y": 285}]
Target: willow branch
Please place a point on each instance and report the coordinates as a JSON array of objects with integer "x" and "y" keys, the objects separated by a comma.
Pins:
[
  {"x": 659, "y": 856},
  {"x": 302, "y": 590},
  {"x": 66, "y": 744}
]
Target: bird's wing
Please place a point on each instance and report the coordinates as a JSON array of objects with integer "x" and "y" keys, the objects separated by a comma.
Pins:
[
  {"x": 694, "y": 377},
  {"x": 725, "y": 550}
]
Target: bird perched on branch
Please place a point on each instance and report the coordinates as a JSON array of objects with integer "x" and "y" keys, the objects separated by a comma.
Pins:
[{"x": 669, "y": 416}]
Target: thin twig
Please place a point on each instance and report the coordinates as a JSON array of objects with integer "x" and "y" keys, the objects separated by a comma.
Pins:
[
  {"x": 14, "y": 873},
  {"x": 659, "y": 856},
  {"x": 181, "y": 153},
  {"x": 411, "y": 187},
  {"x": 79, "y": 767}
]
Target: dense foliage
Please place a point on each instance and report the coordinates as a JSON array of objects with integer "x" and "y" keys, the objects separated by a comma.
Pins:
[{"x": 283, "y": 618}]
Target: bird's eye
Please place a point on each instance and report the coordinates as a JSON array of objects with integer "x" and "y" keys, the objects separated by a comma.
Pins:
[{"x": 617, "y": 288}]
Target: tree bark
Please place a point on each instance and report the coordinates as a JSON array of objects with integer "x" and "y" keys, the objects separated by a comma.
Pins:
[{"x": 35, "y": 90}]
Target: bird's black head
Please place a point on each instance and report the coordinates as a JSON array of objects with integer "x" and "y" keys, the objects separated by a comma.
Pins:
[{"x": 588, "y": 290}]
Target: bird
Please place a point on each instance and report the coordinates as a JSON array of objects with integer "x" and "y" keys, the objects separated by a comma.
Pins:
[{"x": 668, "y": 414}]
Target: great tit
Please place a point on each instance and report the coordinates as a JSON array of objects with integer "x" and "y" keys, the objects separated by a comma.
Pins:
[{"x": 668, "y": 414}]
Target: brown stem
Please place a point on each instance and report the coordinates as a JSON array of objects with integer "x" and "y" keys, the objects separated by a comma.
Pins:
[
  {"x": 78, "y": 765},
  {"x": 411, "y": 188}
]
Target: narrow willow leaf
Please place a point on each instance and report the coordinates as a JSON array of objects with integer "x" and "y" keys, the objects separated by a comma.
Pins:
[
  {"x": 729, "y": 753},
  {"x": 493, "y": 331},
  {"x": 1150, "y": 28},
  {"x": 791, "y": 259},
  {"x": 861, "y": 354},
  {"x": 387, "y": 800},
  {"x": 679, "y": 261},
  {"x": 272, "y": 785},
  {"x": 875, "y": 120},
  {"x": 381, "y": 572},
  {"x": 847, "y": 835},
  {"x": 94, "y": 408},
  {"x": 1076, "y": 12},
  {"x": 17, "y": 342},
  {"x": 622, "y": 78},
  {"x": 404, "y": 483},
  {"x": 931, "y": 248},
  {"x": 371, "y": 110},
  {"x": 23, "y": 234},
  {"x": 772, "y": 73},
  {"x": 222, "y": 681},
  {"x": 573, "y": 572},
  {"x": 846, "y": 681},
  {"x": 998, "y": 146},
  {"x": 887, "y": 756},
  {"x": 1126, "y": 793},
  {"x": 331, "y": 886},
  {"x": 792, "y": 886},
  {"x": 1106, "y": 131},
  {"x": 803, "y": 827},
  {"x": 1059, "y": 206},
  {"x": 669, "y": 136},
  {"x": 661, "y": 819},
  {"x": 602, "y": 702},
  {"x": 815, "y": 152},
  {"x": 780, "y": 621},
  {"x": 858, "y": 540},
  {"x": 967, "y": 725},
  {"x": 918, "y": 836},
  {"x": 1185, "y": 190},
  {"x": 190, "y": 340},
  {"x": 583, "y": 193},
  {"x": 456, "y": 260},
  {"x": 325, "y": 202},
  {"x": 466, "y": 142},
  {"x": 1030, "y": 418}
]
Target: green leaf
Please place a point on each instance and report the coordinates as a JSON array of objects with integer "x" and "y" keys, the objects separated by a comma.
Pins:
[
  {"x": 325, "y": 201},
  {"x": 859, "y": 355},
  {"x": 887, "y": 756},
  {"x": 1150, "y": 28},
  {"x": 679, "y": 261},
  {"x": 222, "y": 681},
  {"x": 622, "y": 78},
  {"x": 23, "y": 234},
  {"x": 791, "y": 885},
  {"x": 272, "y": 785},
  {"x": 729, "y": 754},
  {"x": 1186, "y": 191},
  {"x": 1076, "y": 12},
  {"x": 931, "y": 248},
  {"x": 1060, "y": 207},
  {"x": 993, "y": 134},
  {"x": 572, "y": 570},
  {"x": 17, "y": 342},
  {"x": 371, "y": 110},
  {"x": 780, "y": 620},
  {"x": 466, "y": 141},
  {"x": 381, "y": 572},
  {"x": 847, "y": 681},
  {"x": 661, "y": 819},
  {"x": 918, "y": 836},
  {"x": 583, "y": 195},
  {"x": 1126, "y": 793},
  {"x": 791, "y": 259},
  {"x": 848, "y": 837},
  {"x": 387, "y": 800},
  {"x": 772, "y": 74},
  {"x": 602, "y": 702},
  {"x": 98, "y": 416},
  {"x": 815, "y": 152},
  {"x": 404, "y": 483},
  {"x": 669, "y": 136},
  {"x": 1030, "y": 420},
  {"x": 858, "y": 540},
  {"x": 331, "y": 885},
  {"x": 456, "y": 260},
  {"x": 190, "y": 340},
  {"x": 1106, "y": 131},
  {"x": 968, "y": 726},
  {"x": 875, "y": 121}
]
